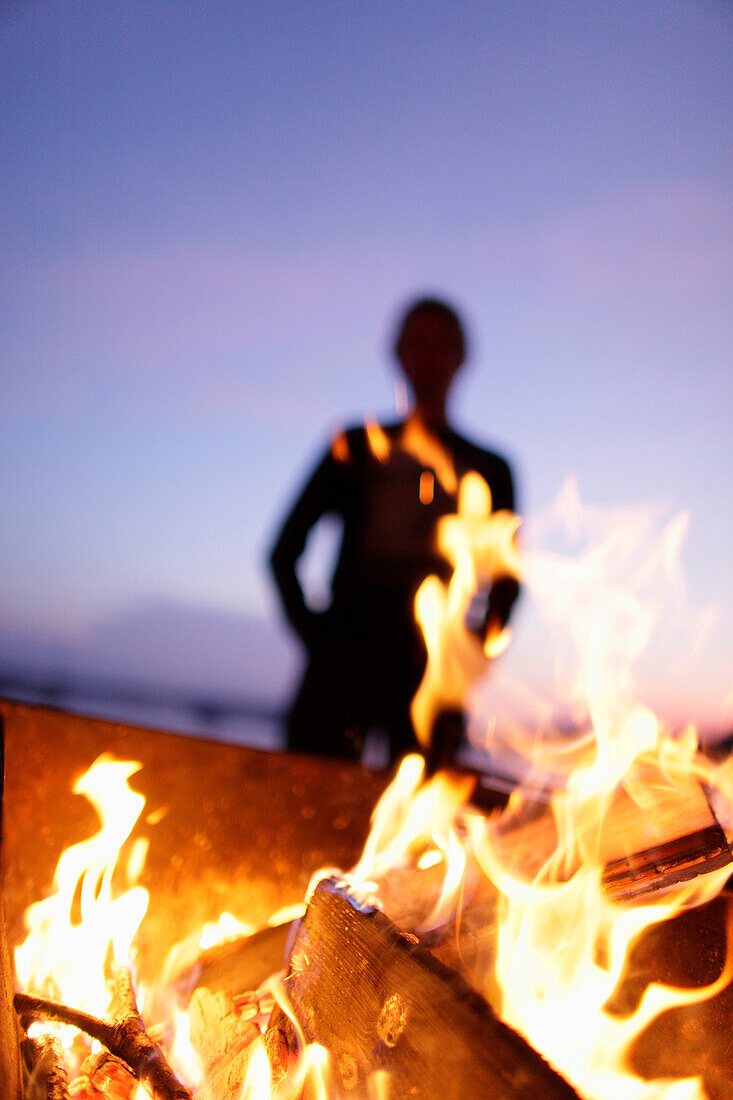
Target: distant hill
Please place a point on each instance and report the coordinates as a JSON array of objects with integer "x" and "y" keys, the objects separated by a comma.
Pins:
[
  {"x": 180, "y": 666},
  {"x": 156, "y": 653}
]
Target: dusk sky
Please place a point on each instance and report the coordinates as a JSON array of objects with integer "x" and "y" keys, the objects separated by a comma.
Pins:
[{"x": 212, "y": 213}]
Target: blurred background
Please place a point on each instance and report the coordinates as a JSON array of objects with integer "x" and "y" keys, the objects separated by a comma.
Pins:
[{"x": 211, "y": 215}]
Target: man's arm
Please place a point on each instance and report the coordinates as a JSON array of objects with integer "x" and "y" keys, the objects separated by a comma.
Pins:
[{"x": 324, "y": 493}]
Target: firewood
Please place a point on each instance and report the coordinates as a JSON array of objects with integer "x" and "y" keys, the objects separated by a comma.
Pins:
[
  {"x": 689, "y": 951},
  {"x": 43, "y": 1061},
  {"x": 672, "y": 836},
  {"x": 222, "y": 1032},
  {"x": 133, "y": 1044},
  {"x": 104, "y": 1077},
  {"x": 30, "y": 1007},
  {"x": 124, "y": 1036},
  {"x": 244, "y": 963},
  {"x": 379, "y": 1000},
  {"x": 277, "y": 1042}
]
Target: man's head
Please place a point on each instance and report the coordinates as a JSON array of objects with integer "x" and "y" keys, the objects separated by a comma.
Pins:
[{"x": 430, "y": 347}]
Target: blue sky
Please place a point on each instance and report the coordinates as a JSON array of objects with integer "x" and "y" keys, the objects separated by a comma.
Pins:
[{"x": 210, "y": 215}]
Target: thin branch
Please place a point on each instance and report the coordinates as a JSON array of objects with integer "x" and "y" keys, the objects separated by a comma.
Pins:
[
  {"x": 124, "y": 1036},
  {"x": 40, "y": 1008}
]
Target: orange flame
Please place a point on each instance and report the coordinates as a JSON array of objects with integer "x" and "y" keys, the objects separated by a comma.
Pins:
[
  {"x": 423, "y": 445},
  {"x": 65, "y": 952},
  {"x": 258, "y": 1081},
  {"x": 563, "y": 931},
  {"x": 378, "y": 441},
  {"x": 563, "y": 937},
  {"x": 480, "y": 545},
  {"x": 340, "y": 448}
]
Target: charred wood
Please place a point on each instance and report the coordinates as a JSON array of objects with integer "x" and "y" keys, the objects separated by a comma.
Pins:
[
  {"x": 104, "y": 1076},
  {"x": 379, "y": 1000},
  {"x": 45, "y": 1073},
  {"x": 133, "y": 1045},
  {"x": 673, "y": 837},
  {"x": 124, "y": 1036},
  {"x": 279, "y": 1042}
]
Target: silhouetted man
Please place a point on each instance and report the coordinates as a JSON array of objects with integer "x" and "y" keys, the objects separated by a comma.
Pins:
[{"x": 389, "y": 485}]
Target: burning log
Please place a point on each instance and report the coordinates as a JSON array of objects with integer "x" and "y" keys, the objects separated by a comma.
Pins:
[
  {"x": 44, "y": 1063},
  {"x": 222, "y": 1033},
  {"x": 135, "y": 1047},
  {"x": 671, "y": 837},
  {"x": 380, "y": 1001},
  {"x": 103, "y": 1075},
  {"x": 124, "y": 1036}
]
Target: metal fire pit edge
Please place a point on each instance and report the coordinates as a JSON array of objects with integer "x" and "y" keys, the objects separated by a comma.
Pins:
[
  {"x": 230, "y": 829},
  {"x": 9, "y": 1048}
]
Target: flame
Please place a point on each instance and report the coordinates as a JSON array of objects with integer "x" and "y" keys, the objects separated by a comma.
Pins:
[
  {"x": 455, "y": 861},
  {"x": 378, "y": 1085},
  {"x": 340, "y": 448},
  {"x": 480, "y": 545},
  {"x": 562, "y": 949},
  {"x": 226, "y": 928},
  {"x": 258, "y": 1081},
  {"x": 317, "y": 1071},
  {"x": 423, "y": 445},
  {"x": 74, "y": 931},
  {"x": 417, "y": 441},
  {"x": 564, "y": 926},
  {"x": 563, "y": 938},
  {"x": 378, "y": 441},
  {"x": 414, "y": 827},
  {"x": 497, "y": 642},
  {"x": 426, "y": 491},
  {"x": 182, "y": 1055},
  {"x": 83, "y": 928},
  {"x": 564, "y": 931}
]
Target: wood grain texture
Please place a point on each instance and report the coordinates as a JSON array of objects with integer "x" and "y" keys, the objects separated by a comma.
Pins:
[{"x": 379, "y": 1001}]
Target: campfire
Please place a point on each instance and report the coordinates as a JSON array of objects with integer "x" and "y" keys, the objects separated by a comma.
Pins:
[{"x": 570, "y": 940}]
